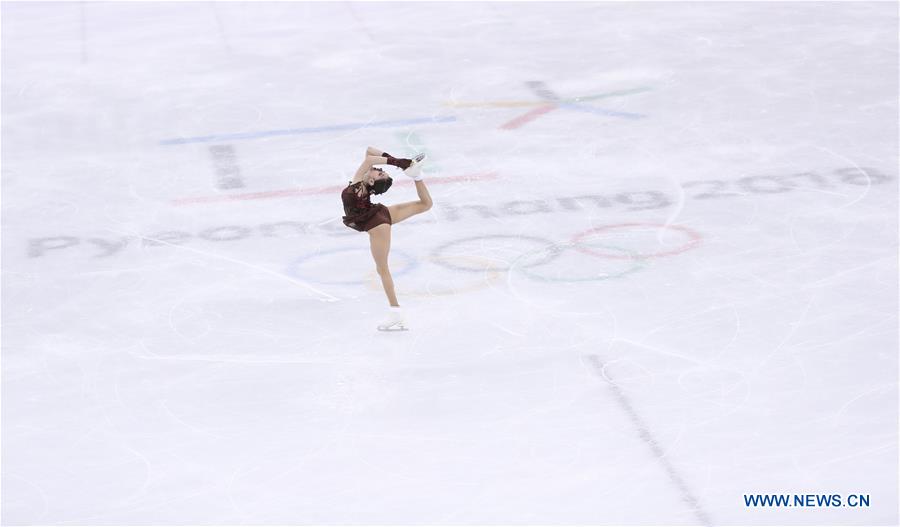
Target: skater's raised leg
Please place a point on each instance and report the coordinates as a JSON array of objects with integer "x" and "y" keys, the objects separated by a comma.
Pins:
[{"x": 401, "y": 211}]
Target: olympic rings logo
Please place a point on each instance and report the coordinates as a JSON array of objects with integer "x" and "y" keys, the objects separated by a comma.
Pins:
[{"x": 492, "y": 256}]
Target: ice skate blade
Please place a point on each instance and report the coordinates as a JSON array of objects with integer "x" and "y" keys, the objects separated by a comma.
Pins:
[{"x": 387, "y": 329}]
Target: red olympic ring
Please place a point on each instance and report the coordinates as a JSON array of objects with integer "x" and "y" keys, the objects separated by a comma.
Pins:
[{"x": 694, "y": 240}]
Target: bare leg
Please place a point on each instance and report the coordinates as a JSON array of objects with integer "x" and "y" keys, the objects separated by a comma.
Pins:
[
  {"x": 380, "y": 243},
  {"x": 401, "y": 211}
]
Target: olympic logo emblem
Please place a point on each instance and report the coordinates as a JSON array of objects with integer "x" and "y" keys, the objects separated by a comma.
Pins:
[{"x": 477, "y": 262}]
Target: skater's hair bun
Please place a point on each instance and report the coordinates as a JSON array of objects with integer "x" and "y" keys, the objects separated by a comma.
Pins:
[{"x": 381, "y": 185}]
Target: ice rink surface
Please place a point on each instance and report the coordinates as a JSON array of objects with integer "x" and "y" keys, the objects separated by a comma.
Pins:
[{"x": 660, "y": 272}]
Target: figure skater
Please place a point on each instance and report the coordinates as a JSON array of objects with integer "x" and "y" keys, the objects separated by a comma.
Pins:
[{"x": 376, "y": 219}]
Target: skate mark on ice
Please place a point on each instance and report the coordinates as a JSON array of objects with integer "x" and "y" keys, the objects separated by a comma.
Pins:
[
  {"x": 647, "y": 436},
  {"x": 325, "y": 297}
]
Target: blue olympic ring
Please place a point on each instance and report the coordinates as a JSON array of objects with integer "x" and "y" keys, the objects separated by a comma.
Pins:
[{"x": 410, "y": 264}]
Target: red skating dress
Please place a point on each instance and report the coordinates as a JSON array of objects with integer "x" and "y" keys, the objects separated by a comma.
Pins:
[{"x": 359, "y": 212}]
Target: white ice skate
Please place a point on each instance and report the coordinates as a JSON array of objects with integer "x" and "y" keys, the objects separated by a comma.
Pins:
[
  {"x": 394, "y": 321},
  {"x": 415, "y": 169}
]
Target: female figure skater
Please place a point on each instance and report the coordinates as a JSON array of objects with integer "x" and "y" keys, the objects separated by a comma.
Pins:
[{"x": 376, "y": 219}]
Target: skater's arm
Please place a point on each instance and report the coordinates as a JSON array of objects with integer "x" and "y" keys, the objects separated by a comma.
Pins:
[{"x": 368, "y": 163}]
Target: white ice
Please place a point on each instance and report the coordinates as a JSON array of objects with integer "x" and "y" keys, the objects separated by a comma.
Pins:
[{"x": 660, "y": 272}]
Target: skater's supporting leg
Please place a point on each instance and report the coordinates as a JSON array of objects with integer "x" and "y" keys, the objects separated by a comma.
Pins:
[
  {"x": 380, "y": 242},
  {"x": 401, "y": 211}
]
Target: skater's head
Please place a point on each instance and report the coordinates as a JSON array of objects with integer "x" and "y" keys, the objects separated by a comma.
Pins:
[
  {"x": 378, "y": 181},
  {"x": 374, "y": 174}
]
